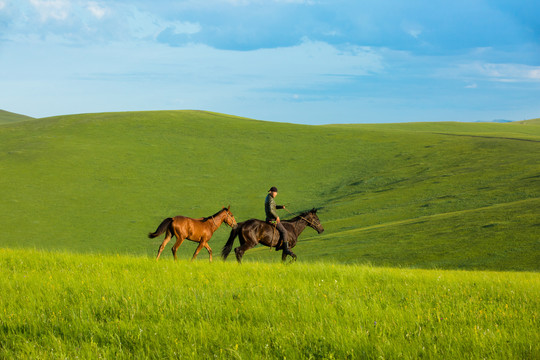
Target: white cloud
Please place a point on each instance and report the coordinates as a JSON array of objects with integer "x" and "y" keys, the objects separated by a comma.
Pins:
[
  {"x": 309, "y": 2},
  {"x": 415, "y": 33},
  {"x": 144, "y": 25},
  {"x": 506, "y": 72},
  {"x": 52, "y": 9},
  {"x": 180, "y": 27},
  {"x": 412, "y": 29},
  {"x": 484, "y": 71},
  {"x": 471, "y": 86},
  {"x": 2, "y": 4},
  {"x": 96, "y": 9},
  {"x": 534, "y": 74},
  {"x": 312, "y": 63},
  {"x": 249, "y": 2}
]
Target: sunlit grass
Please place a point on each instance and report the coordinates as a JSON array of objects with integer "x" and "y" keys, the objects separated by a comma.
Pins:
[{"x": 61, "y": 305}]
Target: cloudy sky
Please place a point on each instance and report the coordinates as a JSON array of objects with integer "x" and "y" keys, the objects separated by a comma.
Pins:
[{"x": 301, "y": 61}]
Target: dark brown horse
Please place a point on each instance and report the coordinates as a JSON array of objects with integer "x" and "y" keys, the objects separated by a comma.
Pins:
[
  {"x": 253, "y": 232},
  {"x": 197, "y": 230}
]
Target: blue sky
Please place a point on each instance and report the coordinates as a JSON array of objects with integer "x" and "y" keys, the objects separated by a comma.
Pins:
[{"x": 300, "y": 61}]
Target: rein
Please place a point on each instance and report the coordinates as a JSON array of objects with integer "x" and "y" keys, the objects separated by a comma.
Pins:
[{"x": 303, "y": 218}]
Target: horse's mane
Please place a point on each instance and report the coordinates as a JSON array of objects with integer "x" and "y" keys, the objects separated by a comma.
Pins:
[
  {"x": 303, "y": 214},
  {"x": 211, "y": 216}
]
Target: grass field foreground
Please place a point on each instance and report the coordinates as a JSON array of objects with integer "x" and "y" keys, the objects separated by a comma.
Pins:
[{"x": 65, "y": 305}]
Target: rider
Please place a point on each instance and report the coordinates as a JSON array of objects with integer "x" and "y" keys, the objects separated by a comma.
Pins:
[{"x": 272, "y": 216}]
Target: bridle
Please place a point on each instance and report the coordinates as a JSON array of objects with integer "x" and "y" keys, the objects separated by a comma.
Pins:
[{"x": 228, "y": 217}]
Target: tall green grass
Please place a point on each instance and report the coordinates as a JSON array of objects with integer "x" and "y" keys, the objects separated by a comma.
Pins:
[
  {"x": 62, "y": 305},
  {"x": 445, "y": 195}
]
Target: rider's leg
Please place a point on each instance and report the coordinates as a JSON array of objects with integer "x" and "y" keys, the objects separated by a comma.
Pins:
[{"x": 283, "y": 237}]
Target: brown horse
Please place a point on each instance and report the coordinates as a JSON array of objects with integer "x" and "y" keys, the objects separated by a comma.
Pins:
[
  {"x": 197, "y": 230},
  {"x": 253, "y": 232}
]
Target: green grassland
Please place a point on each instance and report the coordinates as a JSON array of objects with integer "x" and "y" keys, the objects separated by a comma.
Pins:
[
  {"x": 57, "y": 305},
  {"x": 408, "y": 209},
  {"x": 427, "y": 195}
]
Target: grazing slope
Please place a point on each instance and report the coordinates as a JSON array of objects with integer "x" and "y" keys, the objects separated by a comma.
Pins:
[
  {"x": 445, "y": 195},
  {"x": 9, "y": 117}
]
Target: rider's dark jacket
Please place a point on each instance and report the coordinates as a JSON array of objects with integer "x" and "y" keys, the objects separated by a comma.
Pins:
[{"x": 270, "y": 208}]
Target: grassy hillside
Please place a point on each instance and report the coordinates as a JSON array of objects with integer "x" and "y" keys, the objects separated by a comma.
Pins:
[
  {"x": 66, "y": 306},
  {"x": 531, "y": 122},
  {"x": 9, "y": 117},
  {"x": 446, "y": 195}
]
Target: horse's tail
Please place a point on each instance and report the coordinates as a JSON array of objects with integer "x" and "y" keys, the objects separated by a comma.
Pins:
[
  {"x": 228, "y": 246},
  {"x": 161, "y": 228}
]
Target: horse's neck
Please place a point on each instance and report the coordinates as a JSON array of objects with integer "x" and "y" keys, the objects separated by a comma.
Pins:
[
  {"x": 299, "y": 226},
  {"x": 218, "y": 219}
]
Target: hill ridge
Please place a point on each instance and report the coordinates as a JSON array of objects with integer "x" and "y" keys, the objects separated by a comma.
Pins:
[{"x": 7, "y": 117}]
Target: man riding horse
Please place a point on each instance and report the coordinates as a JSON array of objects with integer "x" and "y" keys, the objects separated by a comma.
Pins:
[{"x": 273, "y": 218}]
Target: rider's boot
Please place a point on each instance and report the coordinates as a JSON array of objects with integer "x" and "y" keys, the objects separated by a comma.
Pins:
[{"x": 286, "y": 247}]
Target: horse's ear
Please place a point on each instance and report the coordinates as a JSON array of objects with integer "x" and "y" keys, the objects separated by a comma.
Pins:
[
  {"x": 314, "y": 210},
  {"x": 229, "y": 208}
]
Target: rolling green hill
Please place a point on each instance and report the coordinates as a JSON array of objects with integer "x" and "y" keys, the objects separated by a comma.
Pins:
[
  {"x": 445, "y": 195},
  {"x": 9, "y": 117},
  {"x": 531, "y": 122}
]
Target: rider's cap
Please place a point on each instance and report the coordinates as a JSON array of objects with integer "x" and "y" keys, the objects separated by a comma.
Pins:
[{"x": 273, "y": 188}]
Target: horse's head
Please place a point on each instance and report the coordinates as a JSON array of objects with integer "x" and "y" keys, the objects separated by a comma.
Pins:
[
  {"x": 229, "y": 217},
  {"x": 313, "y": 220}
]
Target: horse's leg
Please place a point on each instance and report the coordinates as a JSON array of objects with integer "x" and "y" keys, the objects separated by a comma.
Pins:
[
  {"x": 239, "y": 251},
  {"x": 248, "y": 239},
  {"x": 179, "y": 241},
  {"x": 238, "y": 254},
  {"x": 201, "y": 244},
  {"x": 209, "y": 250},
  {"x": 284, "y": 255},
  {"x": 162, "y": 246}
]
